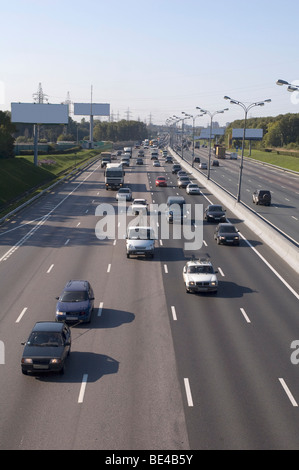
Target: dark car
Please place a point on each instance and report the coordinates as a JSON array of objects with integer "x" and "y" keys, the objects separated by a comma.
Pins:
[
  {"x": 48, "y": 346},
  {"x": 168, "y": 160},
  {"x": 181, "y": 173},
  {"x": 215, "y": 213},
  {"x": 175, "y": 168},
  {"x": 183, "y": 181},
  {"x": 227, "y": 233},
  {"x": 76, "y": 302},
  {"x": 215, "y": 163},
  {"x": 139, "y": 161},
  {"x": 262, "y": 197}
]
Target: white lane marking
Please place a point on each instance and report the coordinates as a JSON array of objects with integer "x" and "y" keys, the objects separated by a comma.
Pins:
[
  {"x": 173, "y": 312},
  {"x": 109, "y": 268},
  {"x": 287, "y": 390},
  {"x": 67, "y": 242},
  {"x": 50, "y": 268},
  {"x": 221, "y": 272},
  {"x": 165, "y": 268},
  {"x": 100, "y": 309},
  {"x": 188, "y": 392},
  {"x": 161, "y": 242},
  {"x": 82, "y": 388},
  {"x": 21, "y": 314},
  {"x": 114, "y": 242},
  {"x": 245, "y": 315},
  {"x": 79, "y": 223}
]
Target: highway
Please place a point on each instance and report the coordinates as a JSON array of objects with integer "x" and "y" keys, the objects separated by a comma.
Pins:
[
  {"x": 284, "y": 186},
  {"x": 156, "y": 368}
]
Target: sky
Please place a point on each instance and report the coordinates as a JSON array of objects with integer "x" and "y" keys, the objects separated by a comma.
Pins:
[{"x": 153, "y": 59}]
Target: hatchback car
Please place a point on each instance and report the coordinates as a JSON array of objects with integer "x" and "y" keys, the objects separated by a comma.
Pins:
[
  {"x": 192, "y": 188},
  {"x": 226, "y": 233},
  {"x": 215, "y": 213},
  {"x": 76, "y": 302},
  {"x": 46, "y": 350},
  {"x": 161, "y": 181},
  {"x": 124, "y": 194}
]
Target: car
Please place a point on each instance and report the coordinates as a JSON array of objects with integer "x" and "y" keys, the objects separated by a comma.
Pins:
[
  {"x": 161, "y": 181},
  {"x": 154, "y": 156},
  {"x": 233, "y": 156},
  {"x": 181, "y": 173},
  {"x": 140, "y": 240},
  {"x": 196, "y": 160},
  {"x": 261, "y": 197},
  {"x": 215, "y": 213},
  {"x": 76, "y": 302},
  {"x": 164, "y": 153},
  {"x": 141, "y": 153},
  {"x": 138, "y": 206},
  {"x": 183, "y": 181},
  {"x": 139, "y": 161},
  {"x": 168, "y": 160},
  {"x": 200, "y": 276},
  {"x": 192, "y": 188},
  {"x": 124, "y": 194},
  {"x": 203, "y": 166},
  {"x": 175, "y": 168},
  {"x": 156, "y": 163},
  {"x": 47, "y": 348},
  {"x": 215, "y": 162},
  {"x": 175, "y": 209},
  {"x": 226, "y": 233}
]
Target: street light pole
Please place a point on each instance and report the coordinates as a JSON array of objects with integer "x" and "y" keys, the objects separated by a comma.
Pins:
[
  {"x": 290, "y": 88},
  {"x": 246, "y": 109},
  {"x": 210, "y": 139}
]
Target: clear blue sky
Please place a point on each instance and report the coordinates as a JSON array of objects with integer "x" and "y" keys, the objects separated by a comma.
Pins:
[{"x": 154, "y": 58}]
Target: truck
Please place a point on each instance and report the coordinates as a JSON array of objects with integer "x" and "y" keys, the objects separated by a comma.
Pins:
[
  {"x": 106, "y": 158},
  {"x": 114, "y": 176},
  {"x": 220, "y": 151}
]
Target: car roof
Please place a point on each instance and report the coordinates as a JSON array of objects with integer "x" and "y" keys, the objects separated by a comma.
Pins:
[
  {"x": 48, "y": 326},
  {"x": 75, "y": 285},
  {"x": 199, "y": 262},
  {"x": 124, "y": 189}
]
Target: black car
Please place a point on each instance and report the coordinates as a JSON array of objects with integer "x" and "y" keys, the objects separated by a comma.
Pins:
[
  {"x": 175, "y": 168},
  {"x": 48, "y": 346},
  {"x": 183, "y": 181},
  {"x": 139, "y": 161},
  {"x": 76, "y": 302},
  {"x": 168, "y": 160},
  {"x": 227, "y": 233},
  {"x": 215, "y": 163},
  {"x": 215, "y": 213},
  {"x": 262, "y": 197}
]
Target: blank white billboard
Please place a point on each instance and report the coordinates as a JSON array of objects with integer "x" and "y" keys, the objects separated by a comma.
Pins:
[
  {"x": 40, "y": 113},
  {"x": 92, "y": 109},
  {"x": 250, "y": 134}
]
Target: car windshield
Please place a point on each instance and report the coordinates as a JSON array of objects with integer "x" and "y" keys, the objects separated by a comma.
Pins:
[
  {"x": 215, "y": 208},
  {"x": 137, "y": 233},
  {"x": 200, "y": 270},
  {"x": 140, "y": 201},
  {"x": 74, "y": 296},
  {"x": 193, "y": 186},
  {"x": 227, "y": 229},
  {"x": 45, "y": 338},
  {"x": 124, "y": 191}
]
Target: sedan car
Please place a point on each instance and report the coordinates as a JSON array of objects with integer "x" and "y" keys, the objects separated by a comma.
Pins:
[
  {"x": 183, "y": 181},
  {"x": 192, "y": 188},
  {"x": 215, "y": 213},
  {"x": 200, "y": 276},
  {"x": 226, "y": 233},
  {"x": 139, "y": 161},
  {"x": 168, "y": 160},
  {"x": 156, "y": 163},
  {"x": 138, "y": 206},
  {"x": 203, "y": 166},
  {"x": 161, "y": 181},
  {"x": 48, "y": 346},
  {"x": 175, "y": 168},
  {"x": 181, "y": 173},
  {"x": 76, "y": 302},
  {"x": 140, "y": 240},
  {"x": 124, "y": 194}
]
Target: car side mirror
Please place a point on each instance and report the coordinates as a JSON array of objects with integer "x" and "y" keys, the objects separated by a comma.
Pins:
[
  {"x": 185, "y": 269},
  {"x": 23, "y": 343},
  {"x": 91, "y": 298}
]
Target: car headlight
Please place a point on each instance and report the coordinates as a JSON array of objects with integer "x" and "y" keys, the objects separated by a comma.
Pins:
[
  {"x": 236, "y": 237},
  {"x": 55, "y": 361},
  {"x": 222, "y": 238},
  {"x": 191, "y": 283},
  {"x": 213, "y": 283},
  {"x": 26, "y": 360},
  {"x": 58, "y": 312}
]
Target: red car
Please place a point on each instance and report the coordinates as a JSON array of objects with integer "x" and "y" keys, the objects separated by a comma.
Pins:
[{"x": 161, "y": 181}]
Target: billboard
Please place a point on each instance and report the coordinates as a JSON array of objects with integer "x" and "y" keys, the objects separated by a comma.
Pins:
[
  {"x": 39, "y": 113},
  {"x": 250, "y": 134},
  {"x": 92, "y": 109}
]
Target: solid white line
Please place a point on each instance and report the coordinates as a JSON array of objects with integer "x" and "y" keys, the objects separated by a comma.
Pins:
[
  {"x": 82, "y": 389},
  {"x": 100, "y": 309},
  {"x": 50, "y": 268},
  {"x": 245, "y": 315},
  {"x": 21, "y": 315},
  {"x": 188, "y": 392},
  {"x": 165, "y": 268},
  {"x": 173, "y": 313},
  {"x": 287, "y": 390},
  {"x": 109, "y": 267}
]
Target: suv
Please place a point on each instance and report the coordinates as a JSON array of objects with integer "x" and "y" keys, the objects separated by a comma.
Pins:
[
  {"x": 199, "y": 276},
  {"x": 76, "y": 302},
  {"x": 140, "y": 240},
  {"x": 261, "y": 196}
]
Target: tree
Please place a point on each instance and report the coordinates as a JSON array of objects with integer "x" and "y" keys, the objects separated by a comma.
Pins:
[{"x": 6, "y": 138}]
